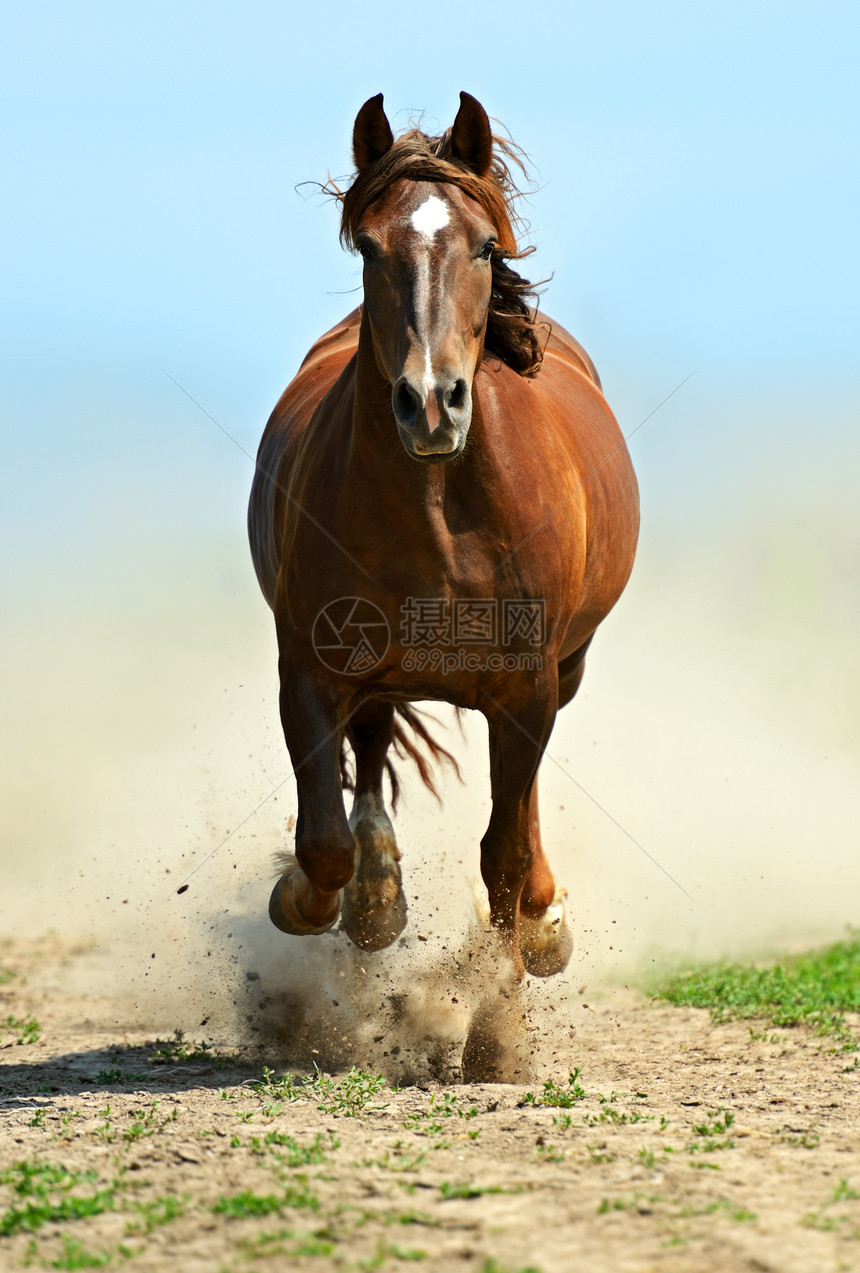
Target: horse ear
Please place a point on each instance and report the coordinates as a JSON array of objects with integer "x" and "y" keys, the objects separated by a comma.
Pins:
[
  {"x": 372, "y": 135},
  {"x": 471, "y": 138}
]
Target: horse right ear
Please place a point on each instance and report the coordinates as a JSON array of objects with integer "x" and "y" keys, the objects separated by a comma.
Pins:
[
  {"x": 471, "y": 137},
  {"x": 372, "y": 136}
]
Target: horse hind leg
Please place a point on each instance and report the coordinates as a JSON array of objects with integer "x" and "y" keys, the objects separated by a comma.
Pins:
[{"x": 374, "y": 904}]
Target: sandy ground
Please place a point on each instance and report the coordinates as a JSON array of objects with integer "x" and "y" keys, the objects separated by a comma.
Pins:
[
  {"x": 693, "y": 804},
  {"x": 187, "y": 1165}
]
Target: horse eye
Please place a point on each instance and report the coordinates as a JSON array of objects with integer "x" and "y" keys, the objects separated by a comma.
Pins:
[
  {"x": 487, "y": 249},
  {"x": 365, "y": 249}
]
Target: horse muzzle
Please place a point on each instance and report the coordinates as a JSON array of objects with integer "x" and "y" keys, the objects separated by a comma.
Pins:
[{"x": 433, "y": 422}]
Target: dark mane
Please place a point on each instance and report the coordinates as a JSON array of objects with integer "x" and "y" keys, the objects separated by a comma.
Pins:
[{"x": 511, "y": 333}]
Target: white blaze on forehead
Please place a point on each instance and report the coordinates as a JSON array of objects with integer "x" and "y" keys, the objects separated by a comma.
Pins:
[{"x": 430, "y": 217}]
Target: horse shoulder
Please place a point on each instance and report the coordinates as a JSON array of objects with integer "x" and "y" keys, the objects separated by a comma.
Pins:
[
  {"x": 325, "y": 363},
  {"x": 320, "y": 370}
]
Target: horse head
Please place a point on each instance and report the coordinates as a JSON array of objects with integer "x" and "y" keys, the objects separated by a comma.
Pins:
[{"x": 428, "y": 248}]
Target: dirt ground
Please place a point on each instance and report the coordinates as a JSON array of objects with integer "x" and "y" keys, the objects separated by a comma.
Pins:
[{"x": 683, "y": 1146}]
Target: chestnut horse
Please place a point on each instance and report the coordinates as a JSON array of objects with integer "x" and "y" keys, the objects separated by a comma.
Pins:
[{"x": 443, "y": 509}]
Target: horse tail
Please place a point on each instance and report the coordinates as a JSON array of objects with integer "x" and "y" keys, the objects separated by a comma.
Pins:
[
  {"x": 405, "y": 746},
  {"x": 409, "y": 735}
]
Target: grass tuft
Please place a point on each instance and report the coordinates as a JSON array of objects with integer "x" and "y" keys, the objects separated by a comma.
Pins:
[
  {"x": 815, "y": 990},
  {"x": 556, "y": 1096},
  {"x": 169, "y": 1051},
  {"x": 247, "y": 1203},
  {"x": 76, "y": 1256},
  {"x": 19, "y": 1030},
  {"x": 350, "y": 1096}
]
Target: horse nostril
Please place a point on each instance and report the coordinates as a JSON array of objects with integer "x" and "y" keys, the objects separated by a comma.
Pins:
[
  {"x": 458, "y": 396},
  {"x": 405, "y": 402}
]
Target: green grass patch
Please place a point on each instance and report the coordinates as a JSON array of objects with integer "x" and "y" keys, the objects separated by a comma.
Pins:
[
  {"x": 37, "y": 1178},
  {"x": 169, "y": 1051},
  {"x": 549, "y": 1153},
  {"x": 716, "y": 1125},
  {"x": 286, "y": 1087},
  {"x": 386, "y": 1251},
  {"x": 598, "y": 1154},
  {"x": 34, "y": 1213},
  {"x": 556, "y": 1095},
  {"x": 156, "y": 1212},
  {"x": 466, "y": 1192},
  {"x": 115, "y": 1074},
  {"x": 248, "y": 1203},
  {"x": 442, "y": 1105},
  {"x": 276, "y": 1243},
  {"x": 814, "y": 989},
  {"x": 617, "y": 1117},
  {"x": 76, "y": 1256},
  {"x": 49, "y": 1193},
  {"x": 292, "y": 1153},
  {"x": 846, "y": 1226},
  {"x": 492, "y": 1265},
  {"x": 351, "y": 1095},
  {"x": 19, "y": 1030}
]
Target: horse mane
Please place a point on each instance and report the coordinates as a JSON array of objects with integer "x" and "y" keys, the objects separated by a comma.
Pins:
[{"x": 511, "y": 333}]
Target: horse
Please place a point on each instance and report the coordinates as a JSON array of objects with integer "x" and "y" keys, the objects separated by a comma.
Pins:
[{"x": 443, "y": 509}]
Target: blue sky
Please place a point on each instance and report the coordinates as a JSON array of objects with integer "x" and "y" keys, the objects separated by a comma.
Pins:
[{"x": 697, "y": 204}]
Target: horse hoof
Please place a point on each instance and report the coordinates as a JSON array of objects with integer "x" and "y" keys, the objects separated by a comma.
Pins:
[
  {"x": 374, "y": 904},
  {"x": 496, "y": 1048},
  {"x": 283, "y": 905},
  {"x": 373, "y": 930},
  {"x": 546, "y": 942}
]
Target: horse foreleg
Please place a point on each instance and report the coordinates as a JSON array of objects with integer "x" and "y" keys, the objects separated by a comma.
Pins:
[
  {"x": 546, "y": 940},
  {"x": 526, "y": 906},
  {"x": 511, "y": 859},
  {"x": 307, "y": 897},
  {"x": 374, "y": 905}
]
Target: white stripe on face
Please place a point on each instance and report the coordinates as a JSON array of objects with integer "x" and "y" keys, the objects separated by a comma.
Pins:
[{"x": 431, "y": 216}]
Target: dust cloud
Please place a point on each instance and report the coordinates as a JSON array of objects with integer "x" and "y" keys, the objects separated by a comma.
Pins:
[{"x": 700, "y": 798}]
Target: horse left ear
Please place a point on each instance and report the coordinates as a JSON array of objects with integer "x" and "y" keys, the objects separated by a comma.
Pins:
[
  {"x": 471, "y": 137},
  {"x": 372, "y": 136}
]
